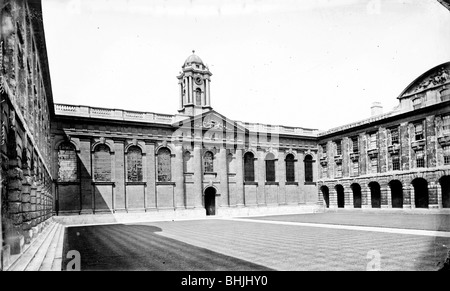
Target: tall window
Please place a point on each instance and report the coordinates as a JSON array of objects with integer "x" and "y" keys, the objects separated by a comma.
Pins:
[
  {"x": 373, "y": 165},
  {"x": 338, "y": 148},
  {"x": 355, "y": 144},
  {"x": 67, "y": 163},
  {"x": 249, "y": 167},
  {"x": 373, "y": 141},
  {"x": 446, "y": 155},
  {"x": 418, "y": 131},
  {"x": 394, "y": 136},
  {"x": 395, "y": 163},
  {"x": 208, "y": 162},
  {"x": 339, "y": 170},
  {"x": 198, "y": 97},
  {"x": 420, "y": 159},
  {"x": 164, "y": 165},
  {"x": 355, "y": 168},
  {"x": 324, "y": 171},
  {"x": 308, "y": 168},
  {"x": 270, "y": 168},
  {"x": 134, "y": 164},
  {"x": 290, "y": 168},
  {"x": 446, "y": 124},
  {"x": 102, "y": 163}
]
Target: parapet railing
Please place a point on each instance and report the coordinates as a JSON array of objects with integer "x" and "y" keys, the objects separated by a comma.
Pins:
[{"x": 117, "y": 114}]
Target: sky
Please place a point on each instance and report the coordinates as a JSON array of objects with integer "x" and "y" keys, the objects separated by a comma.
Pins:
[{"x": 307, "y": 63}]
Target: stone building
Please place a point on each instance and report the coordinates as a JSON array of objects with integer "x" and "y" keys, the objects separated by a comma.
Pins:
[
  {"x": 73, "y": 160},
  {"x": 399, "y": 159},
  {"x": 197, "y": 161},
  {"x": 26, "y": 108}
]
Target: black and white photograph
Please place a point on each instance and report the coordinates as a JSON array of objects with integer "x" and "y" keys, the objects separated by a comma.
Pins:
[{"x": 223, "y": 141}]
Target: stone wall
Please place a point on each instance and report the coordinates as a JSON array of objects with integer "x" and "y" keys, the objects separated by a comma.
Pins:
[{"x": 25, "y": 107}]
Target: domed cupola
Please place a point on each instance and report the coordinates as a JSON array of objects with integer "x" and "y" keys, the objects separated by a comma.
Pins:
[{"x": 194, "y": 86}]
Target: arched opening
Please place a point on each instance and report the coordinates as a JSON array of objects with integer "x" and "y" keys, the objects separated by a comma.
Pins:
[
  {"x": 210, "y": 201},
  {"x": 308, "y": 169},
  {"x": 396, "y": 193},
  {"x": 290, "y": 168},
  {"x": 270, "y": 167},
  {"x": 326, "y": 195},
  {"x": 445, "y": 187},
  {"x": 357, "y": 197},
  {"x": 208, "y": 164},
  {"x": 420, "y": 192},
  {"x": 249, "y": 167},
  {"x": 340, "y": 196},
  {"x": 375, "y": 194}
]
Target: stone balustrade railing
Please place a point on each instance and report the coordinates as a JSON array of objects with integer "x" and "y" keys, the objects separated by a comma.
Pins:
[{"x": 117, "y": 114}]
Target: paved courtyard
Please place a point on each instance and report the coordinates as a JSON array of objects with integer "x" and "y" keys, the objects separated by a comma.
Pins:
[{"x": 288, "y": 242}]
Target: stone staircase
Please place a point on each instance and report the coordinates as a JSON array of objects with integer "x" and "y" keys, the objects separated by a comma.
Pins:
[{"x": 44, "y": 253}]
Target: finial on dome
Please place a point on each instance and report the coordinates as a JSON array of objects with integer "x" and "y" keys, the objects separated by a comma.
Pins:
[{"x": 193, "y": 51}]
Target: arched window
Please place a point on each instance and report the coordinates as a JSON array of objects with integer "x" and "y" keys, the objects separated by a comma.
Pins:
[
  {"x": 290, "y": 169},
  {"x": 134, "y": 164},
  {"x": 270, "y": 168},
  {"x": 308, "y": 169},
  {"x": 198, "y": 96},
  {"x": 249, "y": 167},
  {"x": 67, "y": 163},
  {"x": 164, "y": 165},
  {"x": 102, "y": 163},
  {"x": 208, "y": 162}
]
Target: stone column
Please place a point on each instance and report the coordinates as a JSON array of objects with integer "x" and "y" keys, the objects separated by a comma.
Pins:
[
  {"x": 333, "y": 197},
  {"x": 240, "y": 198},
  {"x": 26, "y": 204},
  {"x": 86, "y": 177},
  {"x": 439, "y": 196},
  {"x": 348, "y": 197},
  {"x": 34, "y": 208},
  {"x": 178, "y": 177},
  {"x": 260, "y": 175},
  {"x": 198, "y": 176},
  {"x": 384, "y": 196},
  {"x": 223, "y": 176},
  {"x": 407, "y": 201},
  {"x": 280, "y": 172},
  {"x": 150, "y": 190},
  {"x": 389, "y": 196},
  {"x": 433, "y": 195},
  {"x": 366, "y": 201},
  {"x": 39, "y": 206},
  {"x": 120, "y": 200}
]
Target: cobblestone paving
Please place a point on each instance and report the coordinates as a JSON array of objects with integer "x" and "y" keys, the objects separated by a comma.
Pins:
[
  {"x": 438, "y": 222},
  {"x": 287, "y": 247}
]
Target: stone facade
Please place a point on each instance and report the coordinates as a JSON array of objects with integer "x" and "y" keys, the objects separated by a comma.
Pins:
[
  {"x": 26, "y": 109},
  {"x": 401, "y": 159}
]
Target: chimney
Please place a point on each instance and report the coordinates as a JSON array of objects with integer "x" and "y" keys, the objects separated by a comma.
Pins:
[{"x": 376, "y": 109}]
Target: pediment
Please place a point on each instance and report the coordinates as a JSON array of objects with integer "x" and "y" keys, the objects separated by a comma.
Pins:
[
  {"x": 210, "y": 120},
  {"x": 437, "y": 76}
]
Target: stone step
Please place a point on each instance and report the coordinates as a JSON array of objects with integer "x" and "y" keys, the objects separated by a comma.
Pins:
[
  {"x": 57, "y": 262},
  {"x": 39, "y": 257},
  {"x": 29, "y": 253},
  {"x": 51, "y": 252}
]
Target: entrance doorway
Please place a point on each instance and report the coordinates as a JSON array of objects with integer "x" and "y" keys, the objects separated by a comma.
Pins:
[{"x": 210, "y": 201}]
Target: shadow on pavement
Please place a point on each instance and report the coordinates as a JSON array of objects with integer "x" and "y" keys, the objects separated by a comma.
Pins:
[{"x": 139, "y": 247}]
